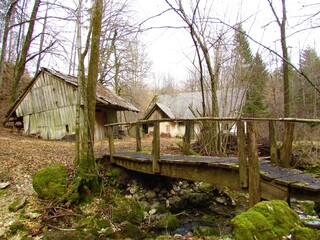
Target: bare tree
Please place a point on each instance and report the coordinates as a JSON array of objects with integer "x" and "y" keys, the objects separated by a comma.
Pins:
[
  {"x": 285, "y": 56},
  {"x": 86, "y": 174},
  {"x": 20, "y": 66},
  {"x": 5, "y": 34}
]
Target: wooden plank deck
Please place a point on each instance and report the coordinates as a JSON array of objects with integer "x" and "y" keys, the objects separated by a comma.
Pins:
[{"x": 276, "y": 182}]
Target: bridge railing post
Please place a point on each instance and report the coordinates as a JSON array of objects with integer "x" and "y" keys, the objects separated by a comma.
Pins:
[
  {"x": 286, "y": 152},
  {"x": 111, "y": 143},
  {"x": 138, "y": 138},
  {"x": 254, "y": 168},
  {"x": 155, "y": 156},
  {"x": 242, "y": 155},
  {"x": 273, "y": 142},
  {"x": 187, "y": 139}
]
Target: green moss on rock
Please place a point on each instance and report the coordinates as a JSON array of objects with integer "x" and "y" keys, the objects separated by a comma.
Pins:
[
  {"x": 67, "y": 235},
  {"x": 205, "y": 231},
  {"x": 126, "y": 210},
  {"x": 50, "y": 182},
  {"x": 129, "y": 230},
  {"x": 304, "y": 233},
  {"x": 169, "y": 222},
  {"x": 17, "y": 204},
  {"x": 266, "y": 220},
  {"x": 16, "y": 226}
]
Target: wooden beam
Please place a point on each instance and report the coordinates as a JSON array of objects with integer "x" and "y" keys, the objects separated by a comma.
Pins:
[
  {"x": 230, "y": 119},
  {"x": 243, "y": 163},
  {"x": 111, "y": 143},
  {"x": 187, "y": 139},
  {"x": 138, "y": 138},
  {"x": 254, "y": 168},
  {"x": 155, "y": 156}
]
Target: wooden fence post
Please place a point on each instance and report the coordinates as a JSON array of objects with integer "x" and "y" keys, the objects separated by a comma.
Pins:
[
  {"x": 187, "y": 139},
  {"x": 254, "y": 168},
  {"x": 138, "y": 138},
  {"x": 155, "y": 156},
  {"x": 273, "y": 142},
  {"x": 111, "y": 143},
  {"x": 243, "y": 164},
  {"x": 286, "y": 151}
]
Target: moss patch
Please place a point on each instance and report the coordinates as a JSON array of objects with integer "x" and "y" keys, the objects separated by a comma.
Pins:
[
  {"x": 266, "y": 220},
  {"x": 17, "y": 204},
  {"x": 50, "y": 182},
  {"x": 169, "y": 222},
  {"x": 126, "y": 210},
  {"x": 16, "y": 226},
  {"x": 304, "y": 233}
]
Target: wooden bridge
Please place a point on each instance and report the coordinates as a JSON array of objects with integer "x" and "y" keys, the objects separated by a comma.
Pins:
[{"x": 246, "y": 172}]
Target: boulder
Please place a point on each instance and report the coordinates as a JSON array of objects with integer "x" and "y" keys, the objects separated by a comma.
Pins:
[
  {"x": 17, "y": 204},
  {"x": 50, "y": 182},
  {"x": 266, "y": 220}
]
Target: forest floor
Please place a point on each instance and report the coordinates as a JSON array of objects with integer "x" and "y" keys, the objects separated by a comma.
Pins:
[{"x": 22, "y": 156}]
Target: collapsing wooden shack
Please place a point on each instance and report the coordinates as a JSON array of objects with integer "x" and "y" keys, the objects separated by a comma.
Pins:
[{"x": 47, "y": 106}]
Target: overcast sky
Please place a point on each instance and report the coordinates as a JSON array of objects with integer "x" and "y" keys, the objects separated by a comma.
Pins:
[{"x": 168, "y": 48}]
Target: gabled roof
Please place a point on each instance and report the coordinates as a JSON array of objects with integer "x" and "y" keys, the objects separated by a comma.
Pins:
[
  {"x": 104, "y": 96},
  {"x": 189, "y": 105}
]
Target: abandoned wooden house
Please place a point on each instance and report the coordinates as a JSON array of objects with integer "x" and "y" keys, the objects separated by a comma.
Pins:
[
  {"x": 47, "y": 106},
  {"x": 189, "y": 106}
]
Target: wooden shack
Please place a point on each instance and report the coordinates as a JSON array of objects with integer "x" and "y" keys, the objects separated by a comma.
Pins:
[
  {"x": 47, "y": 107},
  {"x": 188, "y": 105}
]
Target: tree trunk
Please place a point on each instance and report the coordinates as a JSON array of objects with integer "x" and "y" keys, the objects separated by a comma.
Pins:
[
  {"x": 5, "y": 39},
  {"x": 42, "y": 38},
  {"x": 20, "y": 66},
  {"x": 89, "y": 163}
]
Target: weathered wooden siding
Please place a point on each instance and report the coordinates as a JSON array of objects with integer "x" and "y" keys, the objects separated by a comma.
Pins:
[
  {"x": 49, "y": 109},
  {"x": 48, "y": 93},
  {"x": 51, "y": 124},
  {"x": 100, "y": 130}
]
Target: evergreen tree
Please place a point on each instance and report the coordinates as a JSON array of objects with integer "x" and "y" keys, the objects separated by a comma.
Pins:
[
  {"x": 255, "y": 104},
  {"x": 243, "y": 56},
  {"x": 307, "y": 101},
  {"x": 252, "y": 73}
]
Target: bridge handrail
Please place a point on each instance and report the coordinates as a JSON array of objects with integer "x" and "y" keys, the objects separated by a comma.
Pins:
[{"x": 298, "y": 120}]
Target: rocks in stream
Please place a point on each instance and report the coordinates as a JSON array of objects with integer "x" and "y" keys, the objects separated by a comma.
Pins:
[{"x": 180, "y": 196}]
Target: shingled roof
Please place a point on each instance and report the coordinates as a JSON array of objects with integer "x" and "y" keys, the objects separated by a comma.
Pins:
[{"x": 189, "y": 105}]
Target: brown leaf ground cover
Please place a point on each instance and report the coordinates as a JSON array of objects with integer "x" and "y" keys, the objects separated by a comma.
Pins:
[{"x": 22, "y": 156}]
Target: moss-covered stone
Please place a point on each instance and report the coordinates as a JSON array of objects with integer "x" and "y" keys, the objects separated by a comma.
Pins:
[
  {"x": 17, "y": 204},
  {"x": 304, "y": 233},
  {"x": 266, "y": 220},
  {"x": 207, "y": 219},
  {"x": 205, "y": 231},
  {"x": 16, "y": 226},
  {"x": 117, "y": 177},
  {"x": 169, "y": 222},
  {"x": 67, "y": 235},
  {"x": 129, "y": 230},
  {"x": 50, "y": 182},
  {"x": 126, "y": 210},
  {"x": 307, "y": 207}
]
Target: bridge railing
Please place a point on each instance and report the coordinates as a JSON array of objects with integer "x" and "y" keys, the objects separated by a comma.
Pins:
[{"x": 246, "y": 144}]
